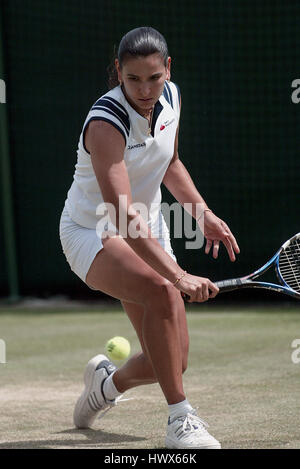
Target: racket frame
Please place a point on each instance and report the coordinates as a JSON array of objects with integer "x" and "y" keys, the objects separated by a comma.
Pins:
[{"x": 247, "y": 281}]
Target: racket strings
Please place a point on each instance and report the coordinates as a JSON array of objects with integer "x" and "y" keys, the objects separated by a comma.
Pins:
[{"x": 289, "y": 264}]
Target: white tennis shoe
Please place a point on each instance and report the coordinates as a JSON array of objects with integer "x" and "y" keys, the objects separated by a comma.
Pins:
[
  {"x": 189, "y": 431},
  {"x": 92, "y": 399}
]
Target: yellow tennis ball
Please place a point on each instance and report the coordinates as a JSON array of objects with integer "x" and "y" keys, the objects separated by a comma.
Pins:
[{"x": 118, "y": 348}]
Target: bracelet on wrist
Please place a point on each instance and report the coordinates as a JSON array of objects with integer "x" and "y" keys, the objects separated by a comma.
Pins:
[
  {"x": 179, "y": 278},
  {"x": 205, "y": 210}
]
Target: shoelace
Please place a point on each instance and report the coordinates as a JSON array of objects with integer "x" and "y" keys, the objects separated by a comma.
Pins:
[
  {"x": 113, "y": 404},
  {"x": 192, "y": 421}
]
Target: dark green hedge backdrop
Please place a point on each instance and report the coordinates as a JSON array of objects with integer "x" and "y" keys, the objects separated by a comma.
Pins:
[{"x": 234, "y": 61}]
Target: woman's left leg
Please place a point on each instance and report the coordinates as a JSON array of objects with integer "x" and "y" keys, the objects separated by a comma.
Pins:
[{"x": 138, "y": 370}]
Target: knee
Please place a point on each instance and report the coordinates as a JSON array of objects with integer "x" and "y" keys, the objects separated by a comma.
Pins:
[
  {"x": 163, "y": 298},
  {"x": 169, "y": 296}
]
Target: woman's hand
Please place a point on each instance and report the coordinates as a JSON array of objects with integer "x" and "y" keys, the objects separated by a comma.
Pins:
[
  {"x": 197, "y": 289},
  {"x": 216, "y": 231}
]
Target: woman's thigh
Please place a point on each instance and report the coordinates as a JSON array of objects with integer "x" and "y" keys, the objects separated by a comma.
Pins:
[{"x": 119, "y": 272}]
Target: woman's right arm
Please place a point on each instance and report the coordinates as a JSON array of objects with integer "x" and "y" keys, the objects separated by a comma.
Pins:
[{"x": 106, "y": 146}]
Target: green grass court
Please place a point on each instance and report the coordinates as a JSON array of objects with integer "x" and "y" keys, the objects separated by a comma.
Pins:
[{"x": 240, "y": 377}]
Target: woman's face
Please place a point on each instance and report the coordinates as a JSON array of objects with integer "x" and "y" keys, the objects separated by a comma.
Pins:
[{"x": 143, "y": 80}]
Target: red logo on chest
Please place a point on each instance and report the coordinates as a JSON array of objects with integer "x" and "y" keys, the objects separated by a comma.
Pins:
[{"x": 162, "y": 127}]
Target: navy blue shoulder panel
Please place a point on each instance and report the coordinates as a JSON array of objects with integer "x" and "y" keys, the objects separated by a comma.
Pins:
[
  {"x": 178, "y": 91},
  {"x": 168, "y": 94},
  {"x": 113, "y": 107}
]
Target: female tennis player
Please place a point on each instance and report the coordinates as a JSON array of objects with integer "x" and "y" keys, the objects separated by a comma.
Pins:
[{"x": 129, "y": 147}]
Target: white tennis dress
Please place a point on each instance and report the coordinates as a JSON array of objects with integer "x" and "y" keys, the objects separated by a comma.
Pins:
[{"x": 147, "y": 155}]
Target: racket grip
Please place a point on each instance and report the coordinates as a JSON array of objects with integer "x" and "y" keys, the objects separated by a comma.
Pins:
[
  {"x": 223, "y": 285},
  {"x": 228, "y": 285}
]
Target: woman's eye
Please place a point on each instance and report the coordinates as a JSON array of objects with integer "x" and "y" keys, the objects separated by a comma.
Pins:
[{"x": 136, "y": 79}]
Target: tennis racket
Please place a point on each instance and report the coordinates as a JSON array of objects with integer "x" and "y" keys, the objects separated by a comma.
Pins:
[{"x": 287, "y": 267}]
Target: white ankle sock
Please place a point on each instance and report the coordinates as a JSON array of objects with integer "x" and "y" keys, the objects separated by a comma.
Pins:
[
  {"x": 109, "y": 388},
  {"x": 179, "y": 409}
]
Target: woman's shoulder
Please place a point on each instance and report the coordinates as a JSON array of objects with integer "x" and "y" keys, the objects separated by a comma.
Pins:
[
  {"x": 112, "y": 97},
  {"x": 109, "y": 108},
  {"x": 173, "y": 88},
  {"x": 172, "y": 95}
]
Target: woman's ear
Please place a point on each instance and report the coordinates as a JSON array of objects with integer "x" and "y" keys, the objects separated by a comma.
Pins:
[{"x": 169, "y": 69}]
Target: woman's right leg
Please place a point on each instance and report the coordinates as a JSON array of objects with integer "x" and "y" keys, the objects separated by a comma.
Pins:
[
  {"x": 119, "y": 272},
  {"x": 138, "y": 371}
]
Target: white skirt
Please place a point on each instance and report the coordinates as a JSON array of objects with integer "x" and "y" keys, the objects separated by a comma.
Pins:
[{"x": 81, "y": 245}]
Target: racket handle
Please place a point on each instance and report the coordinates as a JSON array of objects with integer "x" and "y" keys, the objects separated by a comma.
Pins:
[
  {"x": 223, "y": 285},
  {"x": 228, "y": 285}
]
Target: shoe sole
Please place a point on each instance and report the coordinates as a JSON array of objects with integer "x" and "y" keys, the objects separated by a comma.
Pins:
[
  {"x": 171, "y": 444},
  {"x": 88, "y": 381}
]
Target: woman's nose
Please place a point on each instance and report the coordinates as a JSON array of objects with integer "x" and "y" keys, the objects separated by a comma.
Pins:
[{"x": 145, "y": 90}]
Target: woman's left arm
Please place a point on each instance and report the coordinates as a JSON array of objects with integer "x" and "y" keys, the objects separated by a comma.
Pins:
[{"x": 179, "y": 182}]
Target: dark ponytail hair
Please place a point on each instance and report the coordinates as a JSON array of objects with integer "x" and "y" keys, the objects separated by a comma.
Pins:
[{"x": 141, "y": 41}]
